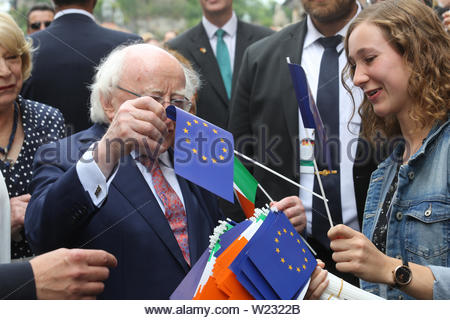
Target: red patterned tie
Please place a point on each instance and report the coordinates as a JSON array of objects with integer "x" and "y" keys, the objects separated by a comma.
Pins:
[{"x": 174, "y": 210}]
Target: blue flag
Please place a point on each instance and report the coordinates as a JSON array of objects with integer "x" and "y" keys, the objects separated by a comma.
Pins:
[
  {"x": 203, "y": 153},
  {"x": 276, "y": 262},
  {"x": 308, "y": 109}
]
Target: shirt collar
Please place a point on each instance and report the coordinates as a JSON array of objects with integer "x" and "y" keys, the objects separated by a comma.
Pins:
[
  {"x": 164, "y": 158},
  {"x": 230, "y": 27},
  {"x": 312, "y": 35},
  {"x": 69, "y": 11}
]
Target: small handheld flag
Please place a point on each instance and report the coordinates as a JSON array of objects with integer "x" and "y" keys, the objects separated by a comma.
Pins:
[{"x": 203, "y": 153}]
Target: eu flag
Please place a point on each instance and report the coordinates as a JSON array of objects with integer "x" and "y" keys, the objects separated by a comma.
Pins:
[
  {"x": 277, "y": 262},
  {"x": 203, "y": 153}
]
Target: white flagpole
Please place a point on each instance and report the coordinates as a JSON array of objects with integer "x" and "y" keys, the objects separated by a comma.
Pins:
[
  {"x": 322, "y": 191},
  {"x": 265, "y": 192},
  {"x": 280, "y": 175},
  {"x": 316, "y": 172}
]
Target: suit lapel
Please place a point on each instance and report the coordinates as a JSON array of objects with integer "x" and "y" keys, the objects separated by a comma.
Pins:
[
  {"x": 243, "y": 38},
  {"x": 204, "y": 57},
  {"x": 292, "y": 47},
  {"x": 140, "y": 196}
]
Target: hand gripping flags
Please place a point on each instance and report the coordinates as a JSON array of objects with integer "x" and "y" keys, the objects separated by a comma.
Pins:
[
  {"x": 203, "y": 153},
  {"x": 260, "y": 258},
  {"x": 276, "y": 263}
]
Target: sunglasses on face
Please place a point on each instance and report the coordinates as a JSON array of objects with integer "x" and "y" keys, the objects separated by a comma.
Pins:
[{"x": 37, "y": 25}]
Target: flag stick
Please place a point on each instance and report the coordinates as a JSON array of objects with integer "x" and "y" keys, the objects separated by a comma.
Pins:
[
  {"x": 265, "y": 192},
  {"x": 280, "y": 175},
  {"x": 319, "y": 179},
  {"x": 316, "y": 170}
]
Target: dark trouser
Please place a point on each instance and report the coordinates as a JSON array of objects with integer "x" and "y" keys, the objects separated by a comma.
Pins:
[{"x": 324, "y": 254}]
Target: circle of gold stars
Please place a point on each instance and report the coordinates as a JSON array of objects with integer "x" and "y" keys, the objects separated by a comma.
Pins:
[
  {"x": 223, "y": 149},
  {"x": 291, "y": 267}
]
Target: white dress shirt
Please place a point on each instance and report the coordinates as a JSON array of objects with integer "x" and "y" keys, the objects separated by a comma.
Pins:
[
  {"x": 311, "y": 57},
  {"x": 95, "y": 183},
  {"x": 229, "y": 36},
  {"x": 5, "y": 223},
  {"x": 69, "y": 11}
]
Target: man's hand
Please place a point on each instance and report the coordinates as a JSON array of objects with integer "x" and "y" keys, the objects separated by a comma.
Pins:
[
  {"x": 354, "y": 253},
  {"x": 18, "y": 207},
  {"x": 71, "y": 274},
  {"x": 137, "y": 124},
  {"x": 294, "y": 210}
]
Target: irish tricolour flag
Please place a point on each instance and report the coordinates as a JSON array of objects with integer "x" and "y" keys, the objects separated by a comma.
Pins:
[{"x": 244, "y": 188}]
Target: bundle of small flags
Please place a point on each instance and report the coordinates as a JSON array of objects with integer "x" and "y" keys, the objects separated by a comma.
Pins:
[{"x": 260, "y": 258}]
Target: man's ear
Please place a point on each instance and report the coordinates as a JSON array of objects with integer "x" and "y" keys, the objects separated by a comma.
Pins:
[{"x": 108, "y": 108}]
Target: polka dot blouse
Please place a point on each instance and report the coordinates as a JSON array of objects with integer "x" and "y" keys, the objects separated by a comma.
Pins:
[{"x": 41, "y": 124}]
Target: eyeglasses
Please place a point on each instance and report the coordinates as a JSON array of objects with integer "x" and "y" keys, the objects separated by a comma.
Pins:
[
  {"x": 183, "y": 103},
  {"x": 37, "y": 25}
]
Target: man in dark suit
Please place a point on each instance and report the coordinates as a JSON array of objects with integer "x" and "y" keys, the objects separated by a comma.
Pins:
[
  {"x": 60, "y": 274},
  {"x": 199, "y": 46},
  {"x": 67, "y": 53},
  {"x": 266, "y": 123},
  {"x": 100, "y": 189}
]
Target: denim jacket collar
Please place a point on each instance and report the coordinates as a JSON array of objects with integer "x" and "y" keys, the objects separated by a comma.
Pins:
[{"x": 398, "y": 151}]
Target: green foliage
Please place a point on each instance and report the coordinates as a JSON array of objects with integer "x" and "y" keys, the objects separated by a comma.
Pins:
[{"x": 259, "y": 11}]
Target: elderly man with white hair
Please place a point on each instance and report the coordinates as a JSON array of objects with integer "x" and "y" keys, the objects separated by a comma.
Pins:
[{"x": 101, "y": 189}]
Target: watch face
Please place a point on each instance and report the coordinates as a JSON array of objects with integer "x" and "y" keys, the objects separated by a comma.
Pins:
[{"x": 403, "y": 275}]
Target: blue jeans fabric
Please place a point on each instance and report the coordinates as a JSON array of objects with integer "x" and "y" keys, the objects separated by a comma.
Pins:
[{"x": 418, "y": 226}]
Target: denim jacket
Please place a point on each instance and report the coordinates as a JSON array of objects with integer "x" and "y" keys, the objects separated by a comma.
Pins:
[{"x": 419, "y": 223}]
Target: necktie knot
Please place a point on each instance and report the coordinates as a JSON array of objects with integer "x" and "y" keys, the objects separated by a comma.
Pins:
[
  {"x": 330, "y": 42},
  {"x": 220, "y": 33}
]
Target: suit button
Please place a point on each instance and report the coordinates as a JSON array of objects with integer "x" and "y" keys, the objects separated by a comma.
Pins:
[
  {"x": 398, "y": 257},
  {"x": 411, "y": 175},
  {"x": 399, "y": 216}
]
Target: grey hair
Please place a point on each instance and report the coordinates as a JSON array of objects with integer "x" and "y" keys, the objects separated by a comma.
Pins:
[
  {"x": 106, "y": 78},
  {"x": 192, "y": 79},
  {"x": 109, "y": 73}
]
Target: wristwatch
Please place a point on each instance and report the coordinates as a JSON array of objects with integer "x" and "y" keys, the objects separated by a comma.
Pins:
[{"x": 402, "y": 275}]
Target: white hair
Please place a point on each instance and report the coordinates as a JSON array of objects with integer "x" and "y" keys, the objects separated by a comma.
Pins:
[
  {"x": 192, "y": 80},
  {"x": 106, "y": 79},
  {"x": 109, "y": 73}
]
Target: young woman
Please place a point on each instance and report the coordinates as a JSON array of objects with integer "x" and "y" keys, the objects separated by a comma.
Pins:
[{"x": 399, "y": 55}]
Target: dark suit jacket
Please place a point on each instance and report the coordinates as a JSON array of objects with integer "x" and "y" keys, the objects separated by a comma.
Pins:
[
  {"x": 264, "y": 115},
  {"x": 17, "y": 281},
  {"x": 67, "y": 53},
  {"x": 130, "y": 223},
  {"x": 213, "y": 104}
]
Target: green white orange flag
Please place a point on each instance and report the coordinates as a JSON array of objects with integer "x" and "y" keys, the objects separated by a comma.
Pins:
[{"x": 245, "y": 186}]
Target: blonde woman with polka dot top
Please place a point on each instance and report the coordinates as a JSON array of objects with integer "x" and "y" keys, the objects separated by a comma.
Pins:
[{"x": 24, "y": 126}]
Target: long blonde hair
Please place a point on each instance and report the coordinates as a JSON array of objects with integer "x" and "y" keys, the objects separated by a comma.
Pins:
[{"x": 416, "y": 33}]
